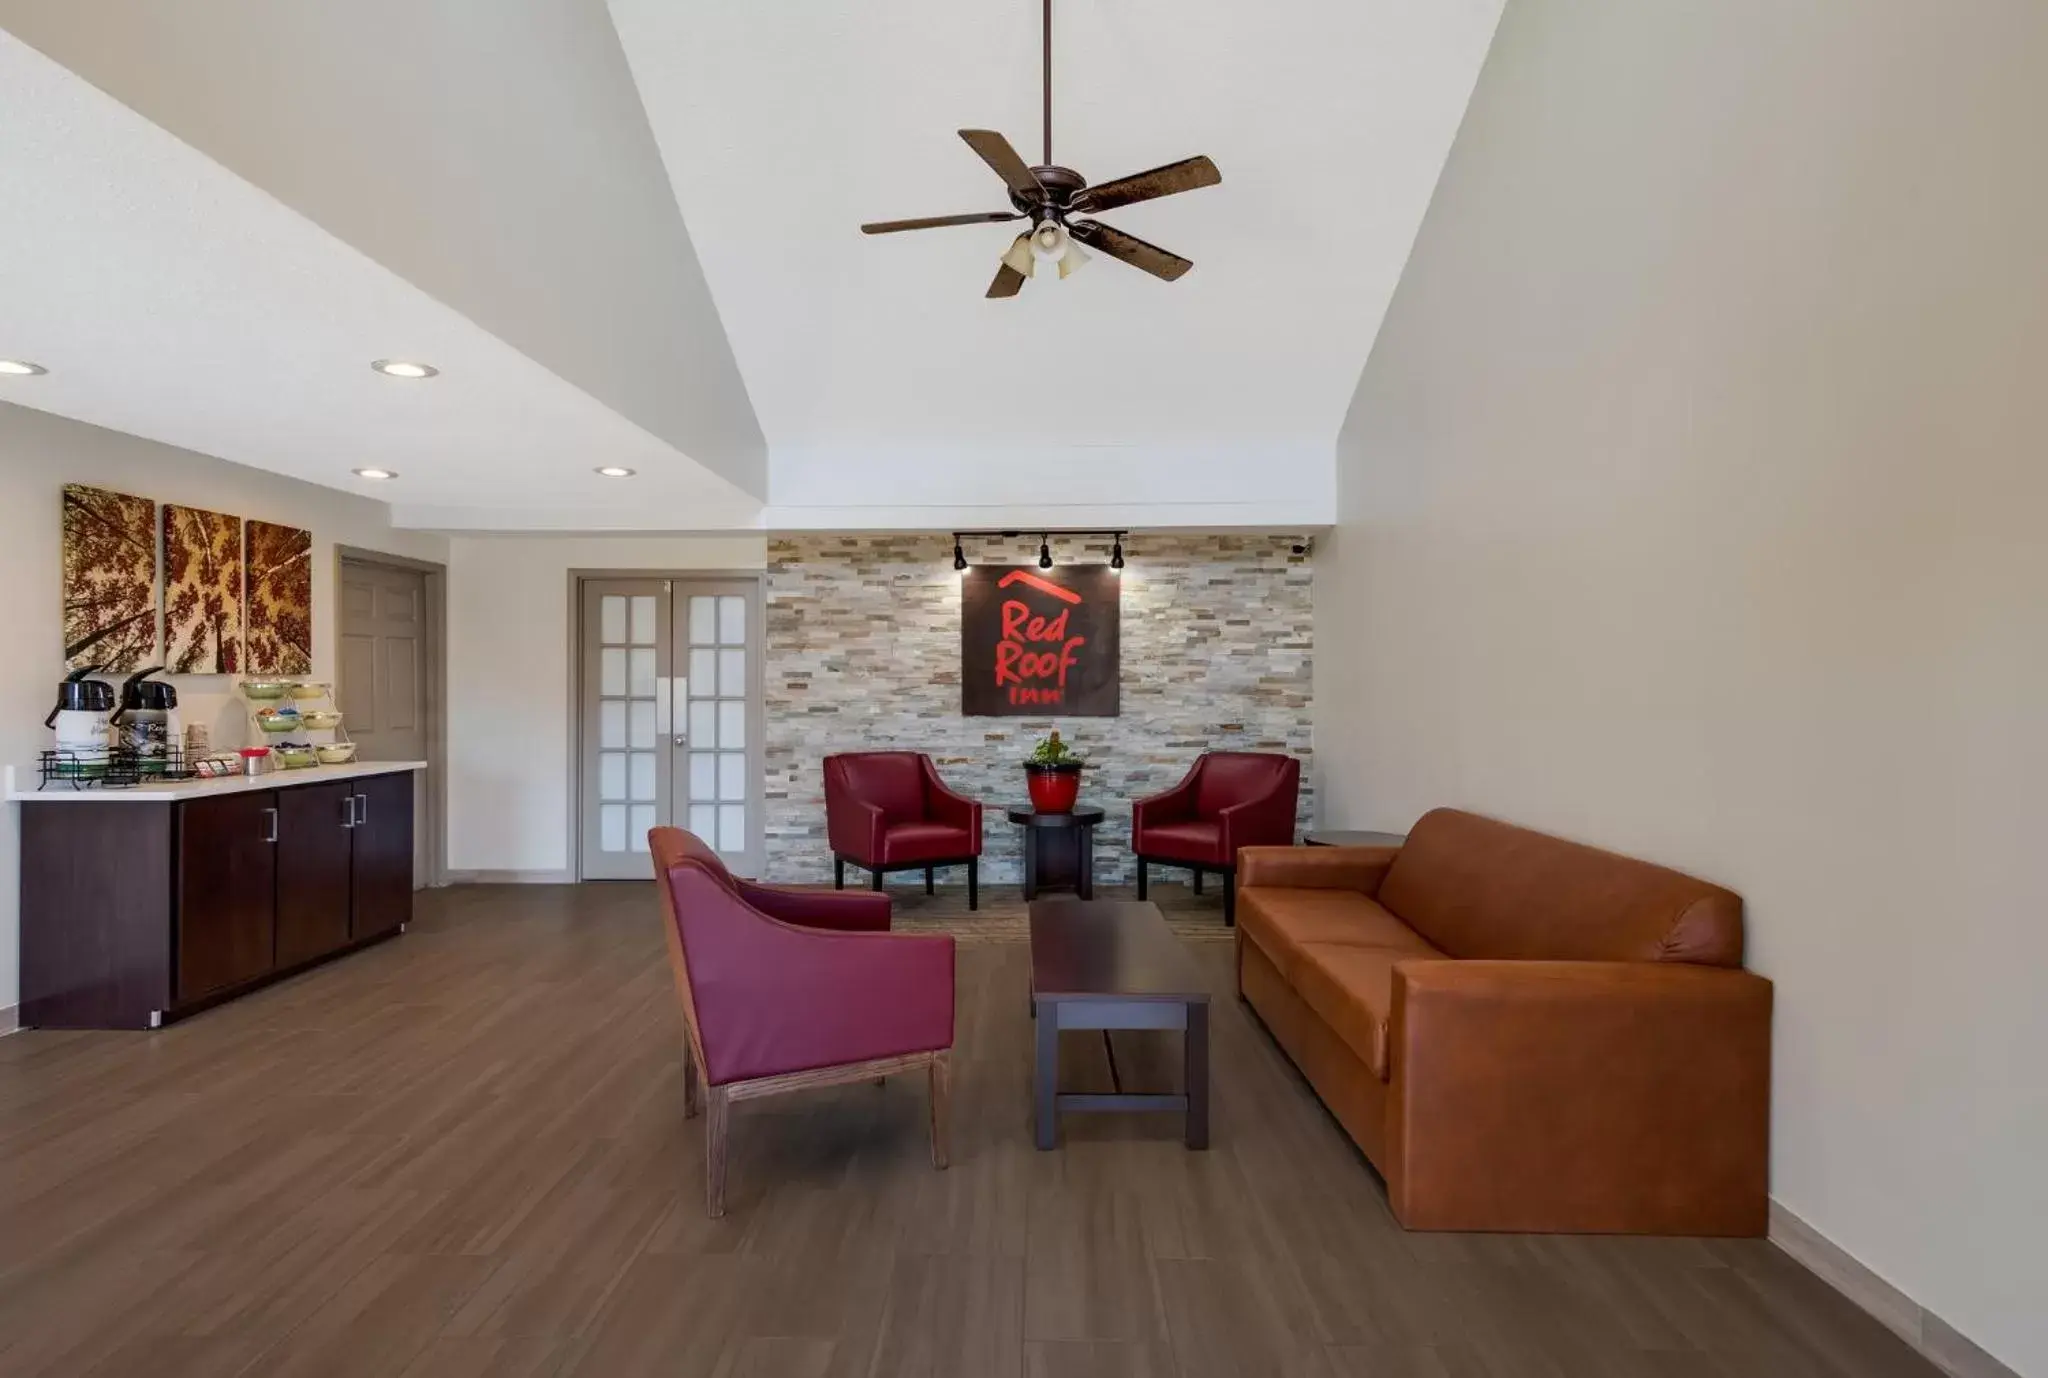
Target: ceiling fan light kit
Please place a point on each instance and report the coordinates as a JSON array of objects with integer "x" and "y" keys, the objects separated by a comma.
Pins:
[{"x": 1053, "y": 198}]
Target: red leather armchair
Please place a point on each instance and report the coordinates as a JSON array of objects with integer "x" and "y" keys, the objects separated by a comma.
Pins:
[
  {"x": 1231, "y": 799},
  {"x": 890, "y": 811},
  {"x": 784, "y": 989}
]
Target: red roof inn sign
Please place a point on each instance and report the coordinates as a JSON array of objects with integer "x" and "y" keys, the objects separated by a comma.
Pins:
[{"x": 1038, "y": 643}]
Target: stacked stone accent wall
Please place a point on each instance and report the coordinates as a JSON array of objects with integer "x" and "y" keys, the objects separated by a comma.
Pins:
[{"x": 863, "y": 653}]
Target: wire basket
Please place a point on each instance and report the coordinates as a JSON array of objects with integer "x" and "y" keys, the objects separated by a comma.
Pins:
[{"x": 120, "y": 767}]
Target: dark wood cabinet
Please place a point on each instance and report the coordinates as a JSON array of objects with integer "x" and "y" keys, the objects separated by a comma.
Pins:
[
  {"x": 140, "y": 907},
  {"x": 227, "y": 892},
  {"x": 383, "y": 855},
  {"x": 315, "y": 861}
]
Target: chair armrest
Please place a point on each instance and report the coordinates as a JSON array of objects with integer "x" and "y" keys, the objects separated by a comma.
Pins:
[
  {"x": 771, "y": 997},
  {"x": 1264, "y": 821},
  {"x": 1167, "y": 806},
  {"x": 848, "y": 911},
  {"x": 1626, "y": 1096},
  {"x": 854, "y": 827},
  {"x": 943, "y": 805},
  {"x": 1316, "y": 868}
]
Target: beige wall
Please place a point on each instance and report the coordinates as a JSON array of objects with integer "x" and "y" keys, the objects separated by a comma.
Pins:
[
  {"x": 508, "y": 683},
  {"x": 1692, "y": 504},
  {"x": 39, "y": 454}
]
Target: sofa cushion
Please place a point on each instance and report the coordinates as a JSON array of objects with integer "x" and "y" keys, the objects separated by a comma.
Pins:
[
  {"x": 1284, "y": 921},
  {"x": 1478, "y": 888},
  {"x": 1352, "y": 989}
]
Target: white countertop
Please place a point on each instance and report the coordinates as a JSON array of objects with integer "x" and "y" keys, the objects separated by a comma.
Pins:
[{"x": 169, "y": 791}]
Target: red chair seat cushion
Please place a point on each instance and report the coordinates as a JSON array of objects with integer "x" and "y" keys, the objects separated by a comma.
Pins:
[
  {"x": 1189, "y": 841},
  {"x": 905, "y": 843}
]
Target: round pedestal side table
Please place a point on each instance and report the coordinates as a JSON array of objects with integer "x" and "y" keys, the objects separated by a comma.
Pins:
[{"x": 1059, "y": 850}]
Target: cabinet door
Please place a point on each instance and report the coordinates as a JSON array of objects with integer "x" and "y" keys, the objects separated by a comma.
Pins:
[
  {"x": 315, "y": 859},
  {"x": 227, "y": 891},
  {"x": 383, "y": 853}
]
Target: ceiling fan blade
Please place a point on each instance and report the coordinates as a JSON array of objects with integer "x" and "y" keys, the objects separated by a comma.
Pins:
[
  {"x": 995, "y": 150},
  {"x": 1008, "y": 281},
  {"x": 1170, "y": 180},
  {"x": 933, "y": 222},
  {"x": 1131, "y": 249}
]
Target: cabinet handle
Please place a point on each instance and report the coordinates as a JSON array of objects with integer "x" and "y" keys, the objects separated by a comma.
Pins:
[
  {"x": 349, "y": 818},
  {"x": 272, "y": 815},
  {"x": 362, "y": 808}
]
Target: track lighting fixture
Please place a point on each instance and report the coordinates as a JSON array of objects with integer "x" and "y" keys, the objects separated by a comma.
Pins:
[{"x": 1045, "y": 561}]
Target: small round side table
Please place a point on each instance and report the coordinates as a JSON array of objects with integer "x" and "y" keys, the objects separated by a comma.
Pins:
[{"x": 1059, "y": 850}]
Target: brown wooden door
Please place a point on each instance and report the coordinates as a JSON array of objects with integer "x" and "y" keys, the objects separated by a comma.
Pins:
[
  {"x": 383, "y": 853},
  {"x": 315, "y": 865},
  {"x": 227, "y": 891}
]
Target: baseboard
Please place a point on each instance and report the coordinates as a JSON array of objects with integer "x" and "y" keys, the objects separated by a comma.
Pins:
[
  {"x": 10, "y": 1020},
  {"x": 1948, "y": 1348},
  {"x": 511, "y": 877}
]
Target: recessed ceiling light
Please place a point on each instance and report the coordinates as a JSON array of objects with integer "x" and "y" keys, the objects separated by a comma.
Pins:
[
  {"x": 376, "y": 473},
  {"x": 616, "y": 471},
  {"x": 21, "y": 368},
  {"x": 404, "y": 368}
]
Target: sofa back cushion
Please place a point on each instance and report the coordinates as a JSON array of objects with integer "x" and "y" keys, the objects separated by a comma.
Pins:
[
  {"x": 1236, "y": 777},
  {"x": 1478, "y": 888},
  {"x": 893, "y": 781}
]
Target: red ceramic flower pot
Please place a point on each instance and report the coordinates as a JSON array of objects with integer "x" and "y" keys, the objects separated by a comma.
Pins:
[{"x": 1053, "y": 788}]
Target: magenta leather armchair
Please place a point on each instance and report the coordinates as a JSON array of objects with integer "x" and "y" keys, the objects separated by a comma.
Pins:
[
  {"x": 787, "y": 989},
  {"x": 1230, "y": 800},
  {"x": 890, "y": 811}
]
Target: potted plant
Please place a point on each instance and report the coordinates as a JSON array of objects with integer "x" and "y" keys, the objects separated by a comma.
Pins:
[{"x": 1054, "y": 775}]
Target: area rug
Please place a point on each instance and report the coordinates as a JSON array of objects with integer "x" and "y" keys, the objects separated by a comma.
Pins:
[{"x": 1004, "y": 917}]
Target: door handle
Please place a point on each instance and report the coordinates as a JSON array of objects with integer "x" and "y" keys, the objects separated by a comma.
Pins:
[
  {"x": 272, "y": 815},
  {"x": 348, "y": 811},
  {"x": 362, "y": 809},
  {"x": 682, "y": 716}
]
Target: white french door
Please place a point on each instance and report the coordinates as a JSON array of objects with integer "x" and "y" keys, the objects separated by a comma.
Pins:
[{"x": 670, "y": 720}]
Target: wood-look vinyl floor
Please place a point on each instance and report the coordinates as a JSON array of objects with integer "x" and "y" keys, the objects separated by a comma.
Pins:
[{"x": 463, "y": 1153}]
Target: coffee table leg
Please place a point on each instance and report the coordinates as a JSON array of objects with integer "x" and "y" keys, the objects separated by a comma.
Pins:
[
  {"x": 1045, "y": 1109},
  {"x": 1196, "y": 1041}
]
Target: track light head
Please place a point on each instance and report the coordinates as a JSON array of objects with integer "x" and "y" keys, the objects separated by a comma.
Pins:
[
  {"x": 1116, "y": 554},
  {"x": 959, "y": 555},
  {"x": 1045, "y": 552}
]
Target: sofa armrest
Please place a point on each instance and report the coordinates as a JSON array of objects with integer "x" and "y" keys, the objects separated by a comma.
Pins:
[
  {"x": 1316, "y": 868},
  {"x": 1167, "y": 806},
  {"x": 944, "y": 805},
  {"x": 1588, "y": 1096}
]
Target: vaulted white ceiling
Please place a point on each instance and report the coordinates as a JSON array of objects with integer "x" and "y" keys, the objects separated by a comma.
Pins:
[{"x": 878, "y": 370}]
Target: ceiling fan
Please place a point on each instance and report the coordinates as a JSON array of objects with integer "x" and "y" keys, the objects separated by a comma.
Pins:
[{"x": 1053, "y": 197}]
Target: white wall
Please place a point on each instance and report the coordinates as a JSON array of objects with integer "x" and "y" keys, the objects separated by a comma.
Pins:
[
  {"x": 508, "y": 682},
  {"x": 39, "y": 454},
  {"x": 496, "y": 156},
  {"x": 1691, "y": 504}
]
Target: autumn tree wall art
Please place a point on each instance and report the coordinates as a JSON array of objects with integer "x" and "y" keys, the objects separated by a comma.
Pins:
[
  {"x": 202, "y": 591},
  {"x": 280, "y": 640},
  {"x": 109, "y": 580}
]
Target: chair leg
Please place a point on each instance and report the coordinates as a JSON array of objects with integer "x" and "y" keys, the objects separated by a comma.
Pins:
[
  {"x": 693, "y": 1089},
  {"x": 717, "y": 1108},
  {"x": 941, "y": 1091},
  {"x": 838, "y": 873},
  {"x": 1198, "y": 879},
  {"x": 973, "y": 883},
  {"x": 928, "y": 881},
  {"x": 876, "y": 876},
  {"x": 1230, "y": 898},
  {"x": 1141, "y": 878}
]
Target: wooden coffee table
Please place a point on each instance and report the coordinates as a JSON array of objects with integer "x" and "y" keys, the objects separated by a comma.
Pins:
[{"x": 1114, "y": 964}]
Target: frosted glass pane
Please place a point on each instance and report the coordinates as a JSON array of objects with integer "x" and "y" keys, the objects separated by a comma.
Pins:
[
  {"x": 732, "y": 776},
  {"x": 732, "y": 723},
  {"x": 640, "y": 680},
  {"x": 704, "y": 822},
  {"x": 643, "y": 619},
  {"x": 732, "y": 621},
  {"x": 611, "y": 725},
  {"x": 611, "y": 775},
  {"x": 703, "y": 723},
  {"x": 611, "y": 827},
  {"x": 640, "y": 723},
  {"x": 732, "y": 827},
  {"x": 611, "y": 618},
  {"x": 643, "y": 819},
  {"x": 611, "y": 671},
  {"x": 643, "y": 776},
  {"x": 703, "y": 776},
  {"x": 703, "y": 673},
  {"x": 732, "y": 674},
  {"x": 703, "y": 620}
]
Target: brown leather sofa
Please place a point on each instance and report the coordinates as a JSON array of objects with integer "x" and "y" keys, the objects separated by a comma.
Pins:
[{"x": 1522, "y": 1033}]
